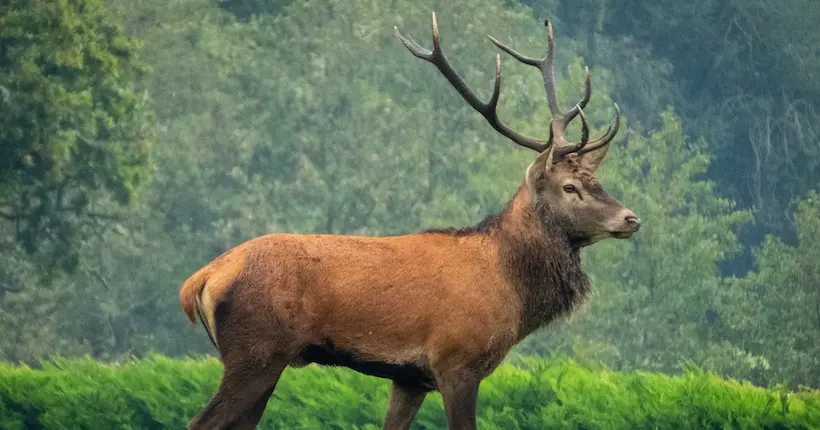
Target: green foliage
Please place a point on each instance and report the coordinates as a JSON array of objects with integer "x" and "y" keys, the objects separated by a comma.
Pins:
[
  {"x": 74, "y": 131},
  {"x": 162, "y": 393},
  {"x": 782, "y": 295},
  {"x": 244, "y": 9},
  {"x": 745, "y": 78}
]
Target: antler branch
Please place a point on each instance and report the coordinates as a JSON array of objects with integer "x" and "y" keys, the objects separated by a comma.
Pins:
[
  {"x": 487, "y": 110},
  {"x": 559, "y": 121},
  {"x": 548, "y": 74}
]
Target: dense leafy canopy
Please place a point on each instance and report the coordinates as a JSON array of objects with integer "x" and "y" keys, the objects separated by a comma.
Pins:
[
  {"x": 744, "y": 76},
  {"x": 73, "y": 128},
  {"x": 311, "y": 117}
]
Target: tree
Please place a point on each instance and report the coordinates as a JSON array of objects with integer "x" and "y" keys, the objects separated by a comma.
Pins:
[
  {"x": 774, "y": 311},
  {"x": 741, "y": 74},
  {"x": 74, "y": 151},
  {"x": 74, "y": 131}
]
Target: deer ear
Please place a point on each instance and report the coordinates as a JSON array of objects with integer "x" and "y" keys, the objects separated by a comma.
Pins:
[
  {"x": 593, "y": 159},
  {"x": 538, "y": 168}
]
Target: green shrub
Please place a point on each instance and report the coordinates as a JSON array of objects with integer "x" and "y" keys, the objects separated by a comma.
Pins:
[{"x": 160, "y": 392}]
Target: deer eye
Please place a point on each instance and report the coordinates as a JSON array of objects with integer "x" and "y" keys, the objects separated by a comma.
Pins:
[{"x": 569, "y": 188}]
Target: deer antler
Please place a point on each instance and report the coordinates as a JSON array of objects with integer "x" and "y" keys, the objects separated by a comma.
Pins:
[
  {"x": 487, "y": 110},
  {"x": 559, "y": 121}
]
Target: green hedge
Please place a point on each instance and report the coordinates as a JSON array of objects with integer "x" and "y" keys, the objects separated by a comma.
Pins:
[{"x": 160, "y": 392}]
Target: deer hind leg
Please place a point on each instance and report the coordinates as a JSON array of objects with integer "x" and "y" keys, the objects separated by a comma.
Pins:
[
  {"x": 255, "y": 349},
  {"x": 405, "y": 402},
  {"x": 252, "y": 417},
  {"x": 242, "y": 396}
]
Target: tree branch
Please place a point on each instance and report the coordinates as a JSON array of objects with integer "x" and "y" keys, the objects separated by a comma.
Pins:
[{"x": 6, "y": 288}]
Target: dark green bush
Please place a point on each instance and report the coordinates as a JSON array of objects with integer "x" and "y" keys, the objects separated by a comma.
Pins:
[{"x": 160, "y": 392}]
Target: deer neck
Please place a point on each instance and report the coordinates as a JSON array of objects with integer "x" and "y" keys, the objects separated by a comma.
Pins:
[{"x": 540, "y": 259}]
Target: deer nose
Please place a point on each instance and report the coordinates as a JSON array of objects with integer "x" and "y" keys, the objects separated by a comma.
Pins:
[{"x": 633, "y": 220}]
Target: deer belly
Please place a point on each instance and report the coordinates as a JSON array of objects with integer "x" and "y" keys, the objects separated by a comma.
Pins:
[{"x": 411, "y": 374}]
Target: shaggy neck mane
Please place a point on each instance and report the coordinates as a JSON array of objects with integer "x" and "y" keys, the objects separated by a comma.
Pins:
[{"x": 539, "y": 257}]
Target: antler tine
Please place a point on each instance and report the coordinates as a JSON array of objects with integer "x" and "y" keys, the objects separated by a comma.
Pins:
[
  {"x": 608, "y": 135},
  {"x": 560, "y": 120},
  {"x": 548, "y": 74},
  {"x": 561, "y": 150},
  {"x": 487, "y": 110}
]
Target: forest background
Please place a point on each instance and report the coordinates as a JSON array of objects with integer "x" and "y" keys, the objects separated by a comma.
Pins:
[{"x": 140, "y": 139}]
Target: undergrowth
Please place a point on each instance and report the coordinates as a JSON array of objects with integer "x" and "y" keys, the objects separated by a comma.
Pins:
[{"x": 160, "y": 392}]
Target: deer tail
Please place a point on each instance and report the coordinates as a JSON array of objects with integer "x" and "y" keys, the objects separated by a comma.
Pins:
[
  {"x": 189, "y": 298},
  {"x": 190, "y": 291}
]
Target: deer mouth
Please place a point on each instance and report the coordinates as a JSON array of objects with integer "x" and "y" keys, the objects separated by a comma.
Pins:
[
  {"x": 633, "y": 224},
  {"x": 623, "y": 234}
]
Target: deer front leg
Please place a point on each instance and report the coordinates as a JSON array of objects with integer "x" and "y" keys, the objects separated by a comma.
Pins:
[{"x": 459, "y": 390}]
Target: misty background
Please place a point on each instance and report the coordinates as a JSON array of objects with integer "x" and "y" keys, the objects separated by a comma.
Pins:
[{"x": 141, "y": 139}]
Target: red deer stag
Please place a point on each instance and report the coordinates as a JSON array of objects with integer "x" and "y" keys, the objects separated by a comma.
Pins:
[{"x": 431, "y": 311}]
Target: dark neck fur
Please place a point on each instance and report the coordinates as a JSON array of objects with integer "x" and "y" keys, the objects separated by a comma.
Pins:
[{"x": 540, "y": 257}]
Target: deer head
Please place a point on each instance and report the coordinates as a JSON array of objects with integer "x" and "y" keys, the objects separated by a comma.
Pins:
[{"x": 561, "y": 178}]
